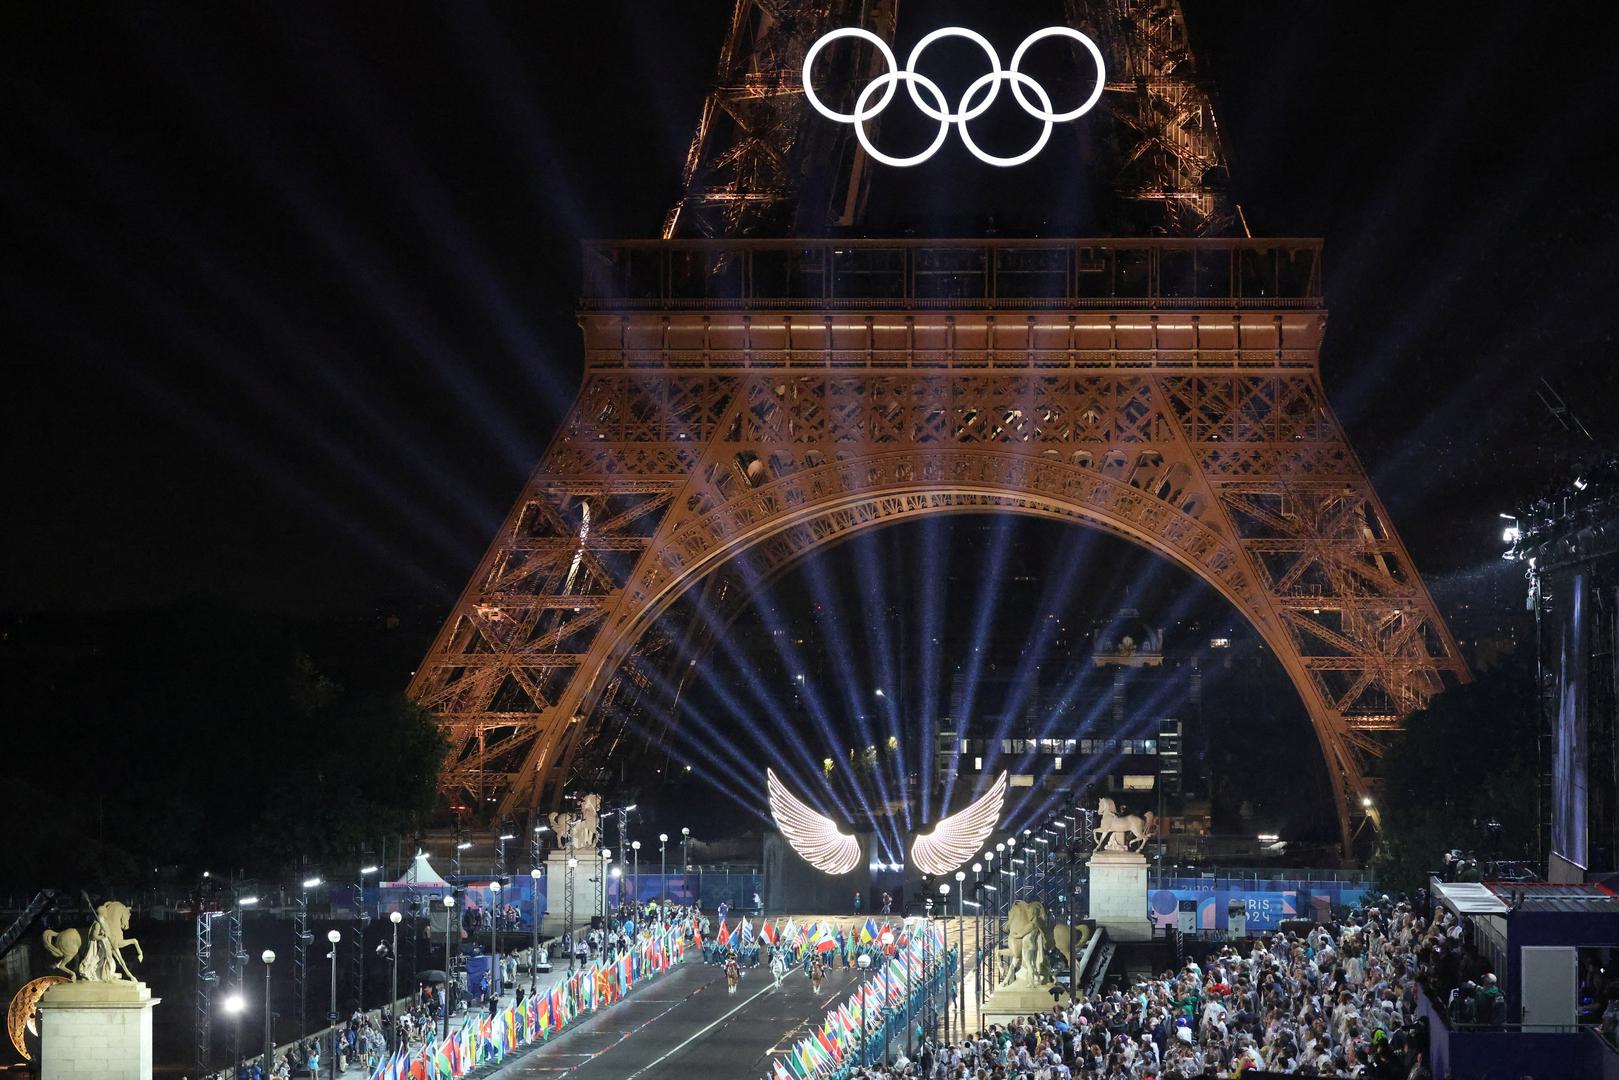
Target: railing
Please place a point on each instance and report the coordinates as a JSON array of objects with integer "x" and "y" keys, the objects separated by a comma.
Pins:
[{"x": 951, "y": 274}]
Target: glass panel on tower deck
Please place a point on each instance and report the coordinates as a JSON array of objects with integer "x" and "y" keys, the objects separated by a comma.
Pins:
[
  {"x": 866, "y": 273},
  {"x": 951, "y": 273},
  {"x": 1031, "y": 273},
  {"x": 789, "y": 273}
]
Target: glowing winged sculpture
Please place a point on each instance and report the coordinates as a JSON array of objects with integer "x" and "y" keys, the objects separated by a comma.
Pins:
[
  {"x": 957, "y": 838},
  {"x": 814, "y": 836},
  {"x": 953, "y": 841}
]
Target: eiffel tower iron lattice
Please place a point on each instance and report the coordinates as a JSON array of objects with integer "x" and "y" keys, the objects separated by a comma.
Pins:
[{"x": 764, "y": 398}]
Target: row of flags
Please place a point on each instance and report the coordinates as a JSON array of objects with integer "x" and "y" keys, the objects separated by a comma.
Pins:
[
  {"x": 824, "y": 1051},
  {"x": 819, "y": 936},
  {"x": 481, "y": 1040}
]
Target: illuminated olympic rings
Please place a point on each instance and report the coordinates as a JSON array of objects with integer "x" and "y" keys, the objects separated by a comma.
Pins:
[{"x": 927, "y": 96}]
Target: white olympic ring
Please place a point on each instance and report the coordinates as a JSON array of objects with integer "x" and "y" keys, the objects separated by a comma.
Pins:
[{"x": 968, "y": 108}]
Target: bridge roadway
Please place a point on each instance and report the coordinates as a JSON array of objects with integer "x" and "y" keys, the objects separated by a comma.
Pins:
[{"x": 685, "y": 1025}]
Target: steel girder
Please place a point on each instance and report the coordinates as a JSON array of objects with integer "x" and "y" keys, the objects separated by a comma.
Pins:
[{"x": 1225, "y": 459}]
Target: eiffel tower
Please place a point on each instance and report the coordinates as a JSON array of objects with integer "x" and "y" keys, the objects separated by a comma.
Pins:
[{"x": 758, "y": 385}]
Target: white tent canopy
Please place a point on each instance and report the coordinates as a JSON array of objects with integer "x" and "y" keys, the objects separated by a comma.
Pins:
[{"x": 420, "y": 874}]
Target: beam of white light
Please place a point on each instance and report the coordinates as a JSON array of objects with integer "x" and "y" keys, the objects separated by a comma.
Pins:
[
  {"x": 855, "y": 700},
  {"x": 814, "y": 836},
  {"x": 763, "y": 693},
  {"x": 935, "y": 556},
  {"x": 957, "y": 838},
  {"x": 1057, "y": 600},
  {"x": 985, "y": 601},
  {"x": 874, "y": 599}
]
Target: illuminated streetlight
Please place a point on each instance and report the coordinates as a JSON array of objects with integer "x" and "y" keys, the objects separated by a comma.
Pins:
[
  {"x": 333, "y": 936},
  {"x": 449, "y": 981},
  {"x": 268, "y": 956},
  {"x": 534, "y": 935}
]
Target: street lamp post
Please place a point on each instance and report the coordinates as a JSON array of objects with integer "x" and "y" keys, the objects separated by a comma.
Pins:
[
  {"x": 978, "y": 933},
  {"x": 1073, "y": 953},
  {"x": 494, "y": 942},
  {"x": 449, "y": 983},
  {"x": 961, "y": 950},
  {"x": 361, "y": 918},
  {"x": 567, "y": 902},
  {"x": 268, "y": 956},
  {"x": 944, "y": 913},
  {"x": 333, "y": 936},
  {"x": 863, "y": 962},
  {"x": 635, "y": 874},
  {"x": 910, "y": 1019},
  {"x": 685, "y": 849},
  {"x": 663, "y": 874},
  {"x": 393, "y": 1000},
  {"x": 534, "y": 936}
]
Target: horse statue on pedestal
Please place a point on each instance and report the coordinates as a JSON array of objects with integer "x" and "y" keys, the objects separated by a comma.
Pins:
[
  {"x": 579, "y": 832},
  {"x": 95, "y": 955},
  {"x": 1115, "y": 829},
  {"x": 1028, "y": 932}
]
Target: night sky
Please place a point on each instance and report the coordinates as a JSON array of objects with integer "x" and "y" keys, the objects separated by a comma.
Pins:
[{"x": 288, "y": 289}]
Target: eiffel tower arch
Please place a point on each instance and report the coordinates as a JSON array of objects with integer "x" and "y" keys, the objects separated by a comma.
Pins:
[{"x": 752, "y": 390}]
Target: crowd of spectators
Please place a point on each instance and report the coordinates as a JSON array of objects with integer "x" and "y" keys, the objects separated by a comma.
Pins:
[{"x": 1340, "y": 1000}]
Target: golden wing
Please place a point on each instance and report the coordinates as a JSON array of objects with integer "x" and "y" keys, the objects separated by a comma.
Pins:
[
  {"x": 957, "y": 838},
  {"x": 814, "y": 836}
]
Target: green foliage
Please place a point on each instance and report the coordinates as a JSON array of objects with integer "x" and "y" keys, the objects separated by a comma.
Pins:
[
  {"x": 1470, "y": 756},
  {"x": 173, "y": 742}
]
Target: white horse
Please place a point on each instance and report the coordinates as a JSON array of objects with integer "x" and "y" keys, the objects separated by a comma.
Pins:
[{"x": 1113, "y": 833}]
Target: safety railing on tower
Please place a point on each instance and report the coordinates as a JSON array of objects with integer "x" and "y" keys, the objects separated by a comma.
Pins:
[{"x": 951, "y": 274}]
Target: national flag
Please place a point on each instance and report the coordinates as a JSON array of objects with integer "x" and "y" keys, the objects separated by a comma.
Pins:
[
  {"x": 823, "y": 941},
  {"x": 778, "y": 1072},
  {"x": 868, "y": 932},
  {"x": 747, "y": 932},
  {"x": 790, "y": 934},
  {"x": 724, "y": 936},
  {"x": 768, "y": 933},
  {"x": 828, "y": 1045}
]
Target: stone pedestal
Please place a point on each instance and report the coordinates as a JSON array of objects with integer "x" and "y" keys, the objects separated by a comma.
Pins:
[
  {"x": 1119, "y": 894},
  {"x": 556, "y": 892},
  {"x": 1007, "y": 1002},
  {"x": 96, "y": 1031}
]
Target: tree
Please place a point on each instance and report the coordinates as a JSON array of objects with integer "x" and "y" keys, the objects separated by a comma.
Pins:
[
  {"x": 199, "y": 739},
  {"x": 1469, "y": 757}
]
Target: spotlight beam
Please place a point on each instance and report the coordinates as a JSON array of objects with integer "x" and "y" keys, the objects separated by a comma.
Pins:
[
  {"x": 983, "y": 611},
  {"x": 855, "y": 701},
  {"x": 874, "y": 603}
]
